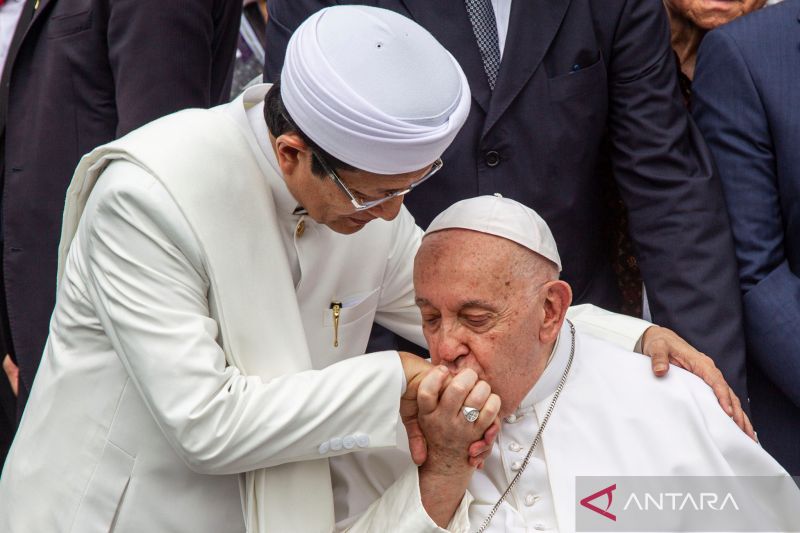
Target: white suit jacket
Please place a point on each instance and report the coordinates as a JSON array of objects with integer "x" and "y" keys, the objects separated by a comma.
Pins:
[{"x": 135, "y": 422}]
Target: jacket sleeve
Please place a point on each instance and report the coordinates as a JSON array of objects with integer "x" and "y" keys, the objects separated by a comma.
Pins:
[
  {"x": 623, "y": 330},
  {"x": 730, "y": 113},
  {"x": 147, "y": 284},
  {"x": 678, "y": 220},
  {"x": 400, "y": 510},
  {"x": 163, "y": 56}
]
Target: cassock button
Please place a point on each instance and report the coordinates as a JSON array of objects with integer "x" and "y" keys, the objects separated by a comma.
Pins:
[
  {"x": 511, "y": 418},
  {"x": 362, "y": 440},
  {"x": 301, "y": 228},
  {"x": 514, "y": 447},
  {"x": 348, "y": 442},
  {"x": 530, "y": 499},
  {"x": 324, "y": 447},
  {"x": 539, "y": 527},
  {"x": 336, "y": 444},
  {"x": 516, "y": 465}
]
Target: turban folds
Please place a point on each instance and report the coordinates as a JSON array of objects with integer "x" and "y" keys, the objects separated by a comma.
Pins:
[{"x": 373, "y": 89}]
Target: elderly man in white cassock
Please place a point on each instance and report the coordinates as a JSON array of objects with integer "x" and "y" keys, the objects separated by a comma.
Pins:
[
  {"x": 494, "y": 315},
  {"x": 219, "y": 274}
]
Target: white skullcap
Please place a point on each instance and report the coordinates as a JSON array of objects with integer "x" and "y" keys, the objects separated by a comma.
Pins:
[
  {"x": 502, "y": 217},
  {"x": 373, "y": 89}
]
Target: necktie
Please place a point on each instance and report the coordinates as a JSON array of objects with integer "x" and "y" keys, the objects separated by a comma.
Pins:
[{"x": 484, "y": 26}]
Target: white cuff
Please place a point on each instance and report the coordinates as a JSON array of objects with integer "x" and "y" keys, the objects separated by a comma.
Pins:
[{"x": 400, "y": 510}]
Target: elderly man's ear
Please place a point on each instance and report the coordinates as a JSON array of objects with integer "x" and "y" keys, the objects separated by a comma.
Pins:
[{"x": 557, "y": 299}]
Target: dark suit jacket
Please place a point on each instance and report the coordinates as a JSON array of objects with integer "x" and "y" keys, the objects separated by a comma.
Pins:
[
  {"x": 85, "y": 72},
  {"x": 585, "y": 85},
  {"x": 747, "y": 103}
]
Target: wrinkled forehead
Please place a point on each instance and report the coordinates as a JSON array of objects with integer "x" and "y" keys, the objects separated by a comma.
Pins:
[{"x": 468, "y": 247}]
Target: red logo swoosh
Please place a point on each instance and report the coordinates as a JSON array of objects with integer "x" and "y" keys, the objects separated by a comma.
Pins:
[{"x": 604, "y": 512}]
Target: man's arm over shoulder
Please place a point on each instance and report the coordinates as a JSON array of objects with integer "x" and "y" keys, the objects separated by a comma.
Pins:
[
  {"x": 146, "y": 280},
  {"x": 676, "y": 209},
  {"x": 623, "y": 330},
  {"x": 730, "y": 113}
]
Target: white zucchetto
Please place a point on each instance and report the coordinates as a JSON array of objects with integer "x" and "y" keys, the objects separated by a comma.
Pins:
[
  {"x": 502, "y": 217},
  {"x": 373, "y": 89}
]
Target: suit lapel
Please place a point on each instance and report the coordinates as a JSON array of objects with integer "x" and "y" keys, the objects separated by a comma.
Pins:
[
  {"x": 531, "y": 29},
  {"x": 448, "y": 22},
  {"x": 16, "y": 41}
]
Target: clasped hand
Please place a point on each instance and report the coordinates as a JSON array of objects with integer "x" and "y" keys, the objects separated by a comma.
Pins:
[{"x": 438, "y": 433}]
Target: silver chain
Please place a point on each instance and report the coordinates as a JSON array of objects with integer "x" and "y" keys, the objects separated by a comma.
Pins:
[{"x": 538, "y": 437}]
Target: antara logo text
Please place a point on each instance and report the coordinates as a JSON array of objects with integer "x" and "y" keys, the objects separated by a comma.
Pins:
[
  {"x": 680, "y": 501},
  {"x": 659, "y": 501}
]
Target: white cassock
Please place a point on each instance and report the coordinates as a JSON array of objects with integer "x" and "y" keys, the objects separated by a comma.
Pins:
[
  {"x": 613, "y": 418},
  {"x": 135, "y": 422}
]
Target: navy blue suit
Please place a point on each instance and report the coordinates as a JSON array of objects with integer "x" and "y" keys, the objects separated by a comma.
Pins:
[
  {"x": 586, "y": 96},
  {"x": 747, "y": 104}
]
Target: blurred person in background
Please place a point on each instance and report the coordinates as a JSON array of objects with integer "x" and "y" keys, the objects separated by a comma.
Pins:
[
  {"x": 747, "y": 104},
  {"x": 690, "y": 20},
  {"x": 250, "y": 50},
  {"x": 10, "y": 12},
  {"x": 80, "y": 74}
]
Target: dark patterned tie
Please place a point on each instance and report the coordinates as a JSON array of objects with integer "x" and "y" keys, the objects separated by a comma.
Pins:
[{"x": 484, "y": 26}]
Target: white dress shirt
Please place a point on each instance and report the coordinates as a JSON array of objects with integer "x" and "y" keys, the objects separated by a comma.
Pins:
[
  {"x": 502, "y": 14},
  {"x": 10, "y": 12}
]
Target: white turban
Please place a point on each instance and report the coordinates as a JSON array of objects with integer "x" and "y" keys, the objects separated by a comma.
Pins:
[
  {"x": 373, "y": 89},
  {"x": 501, "y": 217}
]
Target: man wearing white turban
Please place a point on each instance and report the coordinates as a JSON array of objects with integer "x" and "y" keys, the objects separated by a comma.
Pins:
[{"x": 217, "y": 285}]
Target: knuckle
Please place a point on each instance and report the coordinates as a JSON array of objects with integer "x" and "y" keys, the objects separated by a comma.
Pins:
[{"x": 460, "y": 388}]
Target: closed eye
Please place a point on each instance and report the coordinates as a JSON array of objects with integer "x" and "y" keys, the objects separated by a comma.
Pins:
[
  {"x": 430, "y": 321},
  {"x": 477, "y": 321}
]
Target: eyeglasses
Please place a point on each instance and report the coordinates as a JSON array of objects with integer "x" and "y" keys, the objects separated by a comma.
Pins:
[{"x": 362, "y": 205}]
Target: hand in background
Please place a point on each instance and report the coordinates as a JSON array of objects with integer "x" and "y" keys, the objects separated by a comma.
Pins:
[{"x": 12, "y": 373}]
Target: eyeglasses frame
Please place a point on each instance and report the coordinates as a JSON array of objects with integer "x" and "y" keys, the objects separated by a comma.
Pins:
[{"x": 359, "y": 206}]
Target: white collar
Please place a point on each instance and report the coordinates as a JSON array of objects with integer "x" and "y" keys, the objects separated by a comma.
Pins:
[{"x": 248, "y": 111}]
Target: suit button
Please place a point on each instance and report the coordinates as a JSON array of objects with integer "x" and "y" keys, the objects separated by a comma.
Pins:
[
  {"x": 492, "y": 158},
  {"x": 301, "y": 228}
]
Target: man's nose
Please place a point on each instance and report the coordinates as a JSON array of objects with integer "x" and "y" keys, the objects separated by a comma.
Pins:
[
  {"x": 449, "y": 349},
  {"x": 389, "y": 209}
]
